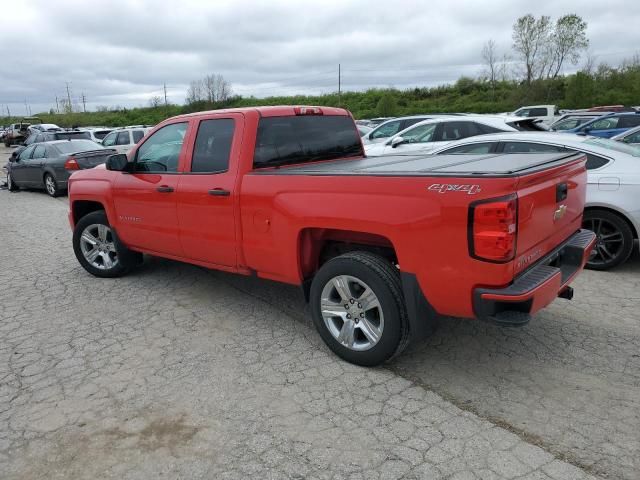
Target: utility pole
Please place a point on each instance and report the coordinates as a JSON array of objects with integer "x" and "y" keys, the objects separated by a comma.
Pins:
[
  {"x": 166, "y": 104},
  {"x": 26, "y": 107},
  {"x": 69, "y": 98},
  {"x": 57, "y": 105},
  {"x": 339, "y": 86},
  {"x": 84, "y": 103},
  {"x": 8, "y": 113}
]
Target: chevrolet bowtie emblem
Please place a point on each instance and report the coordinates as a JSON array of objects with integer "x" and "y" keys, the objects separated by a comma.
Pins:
[{"x": 559, "y": 213}]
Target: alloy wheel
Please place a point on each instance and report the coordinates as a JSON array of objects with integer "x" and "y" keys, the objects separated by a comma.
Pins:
[
  {"x": 352, "y": 312},
  {"x": 50, "y": 185},
  {"x": 98, "y": 247},
  {"x": 609, "y": 241}
]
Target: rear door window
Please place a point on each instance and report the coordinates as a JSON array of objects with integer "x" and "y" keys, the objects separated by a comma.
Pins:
[
  {"x": 595, "y": 161},
  {"x": 305, "y": 138},
  {"x": 123, "y": 138},
  {"x": 629, "y": 121},
  {"x": 486, "y": 147},
  {"x": 39, "y": 152},
  {"x": 455, "y": 131},
  {"x": 137, "y": 135},
  {"x": 213, "y": 146},
  {"x": 529, "y": 147}
]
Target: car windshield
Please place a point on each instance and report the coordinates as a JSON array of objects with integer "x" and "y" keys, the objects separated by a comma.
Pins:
[
  {"x": 75, "y": 146},
  {"x": 613, "y": 145}
]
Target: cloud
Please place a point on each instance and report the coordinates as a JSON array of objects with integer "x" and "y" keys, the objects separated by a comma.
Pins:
[{"x": 122, "y": 52}]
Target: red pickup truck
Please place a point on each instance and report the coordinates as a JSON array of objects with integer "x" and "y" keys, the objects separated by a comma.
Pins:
[{"x": 381, "y": 246}]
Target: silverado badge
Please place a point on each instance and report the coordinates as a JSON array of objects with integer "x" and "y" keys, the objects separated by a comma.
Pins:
[{"x": 559, "y": 213}]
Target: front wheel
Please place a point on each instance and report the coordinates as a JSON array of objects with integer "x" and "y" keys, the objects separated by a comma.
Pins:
[
  {"x": 11, "y": 185},
  {"x": 358, "y": 308},
  {"x": 95, "y": 246},
  {"x": 614, "y": 239}
]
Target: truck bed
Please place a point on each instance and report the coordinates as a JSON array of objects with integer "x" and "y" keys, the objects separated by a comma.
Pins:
[{"x": 472, "y": 165}]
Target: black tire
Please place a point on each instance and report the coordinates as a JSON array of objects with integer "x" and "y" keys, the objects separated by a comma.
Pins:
[
  {"x": 11, "y": 185},
  {"x": 7, "y": 143},
  {"x": 99, "y": 218},
  {"x": 383, "y": 278},
  {"x": 615, "y": 238},
  {"x": 52, "y": 188}
]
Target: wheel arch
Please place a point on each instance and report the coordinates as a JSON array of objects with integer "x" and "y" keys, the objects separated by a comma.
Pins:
[
  {"x": 615, "y": 211},
  {"x": 81, "y": 208}
]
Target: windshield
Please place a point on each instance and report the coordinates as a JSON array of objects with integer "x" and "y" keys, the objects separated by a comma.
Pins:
[
  {"x": 613, "y": 145},
  {"x": 74, "y": 146},
  {"x": 305, "y": 138}
]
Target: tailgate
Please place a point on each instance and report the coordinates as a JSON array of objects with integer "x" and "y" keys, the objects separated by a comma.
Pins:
[
  {"x": 93, "y": 158},
  {"x": 550, "y": 206}
]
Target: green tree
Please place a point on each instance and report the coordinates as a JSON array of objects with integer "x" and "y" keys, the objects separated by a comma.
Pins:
[{"x": 387, "y": 105}]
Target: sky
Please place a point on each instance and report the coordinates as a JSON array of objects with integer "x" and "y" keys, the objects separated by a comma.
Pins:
[{"x": 123, "y": 52}]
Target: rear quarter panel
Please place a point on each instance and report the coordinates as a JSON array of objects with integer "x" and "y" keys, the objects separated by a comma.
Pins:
[{"x": 428, "y": 229}]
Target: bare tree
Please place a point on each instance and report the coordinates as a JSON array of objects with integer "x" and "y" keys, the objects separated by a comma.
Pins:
[
  {"x": 567, "y": 41},
  {"x": 489, "y": 56},
  {"x": 195, "y": 92},
  {"x": 530, "y": 41},
  {"x": 155, "y": 101},
  {"x": 65, "y": 106},
  {"x": 504, "y": 68},
  {"x": 589, "y": 64}
]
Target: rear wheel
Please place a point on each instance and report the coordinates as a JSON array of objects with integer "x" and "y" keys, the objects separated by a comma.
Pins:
[
  {"x": 614, "y": 242},
  {"x": 94, "y": 244},
  {"x": 50, "y": 185},
  {"x": 358, "y": 308}
]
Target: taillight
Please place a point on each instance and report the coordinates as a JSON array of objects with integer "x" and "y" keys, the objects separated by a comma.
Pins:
[
  {"x": 493, "y": 229},
  {"x": 307, "y": 110},
  {"x": 71, "y": 164}
]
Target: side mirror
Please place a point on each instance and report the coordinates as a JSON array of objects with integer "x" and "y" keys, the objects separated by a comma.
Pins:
[
  {"x": 396, "y": 141},
  {"x": 117, "y": 162}
]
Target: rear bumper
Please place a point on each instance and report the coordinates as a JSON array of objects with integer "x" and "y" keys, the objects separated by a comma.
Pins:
[{"x": 538, "y": 286}]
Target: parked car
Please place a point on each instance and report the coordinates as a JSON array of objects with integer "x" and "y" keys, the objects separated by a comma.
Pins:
[
  {"x": 59, "y": 135},
  {"x": 609, "y": 125},
  {"x": 573, "y": 120},
  {"x": 98, "y": 133},
  {"x": 288, "y": 195},
  {"x": 124, "y": 139},
  {"x": 389, "y": 128},
  {"x": 612, "y": 207},
  {"x": 631, "y": 136},
  {"x": 437, "y": 132},
  {"x": 45, "y": 127},
  {"x": 545, "y": 113},
  {"x": 363, "y": 129},
  {"x": 48, "y": 165}
]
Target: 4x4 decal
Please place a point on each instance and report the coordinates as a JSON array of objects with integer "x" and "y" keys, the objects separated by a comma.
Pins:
[{"x": 449, "y": 187}]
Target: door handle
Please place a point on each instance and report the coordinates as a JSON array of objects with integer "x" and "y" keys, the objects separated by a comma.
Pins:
[
  {"x": 219, "y": 192},
  {"x": 164, "y": 189}
]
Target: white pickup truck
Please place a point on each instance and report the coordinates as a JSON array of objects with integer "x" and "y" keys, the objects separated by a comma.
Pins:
[{"x": 545, "y": 113}]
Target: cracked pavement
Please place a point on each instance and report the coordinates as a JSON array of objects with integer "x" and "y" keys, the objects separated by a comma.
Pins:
[{"x": 179, "y": 372}]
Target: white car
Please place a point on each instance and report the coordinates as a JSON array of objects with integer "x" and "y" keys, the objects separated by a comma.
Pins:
[
  {"x": 437, "y": 132},
  {"x": 612, "y": 209},
  {"x": 124, "y": 139},
  {"x": 390, "y": 127}
]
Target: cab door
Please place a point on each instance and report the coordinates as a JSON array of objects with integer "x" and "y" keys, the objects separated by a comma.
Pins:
[
  {"x": 145, "y": 196},
  {"x": 207, "y": 198}
]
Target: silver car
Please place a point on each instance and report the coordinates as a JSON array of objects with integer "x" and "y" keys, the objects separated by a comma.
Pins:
[
  {"x": 631, "y": 136},
  {"x": 612, "y": 209}
]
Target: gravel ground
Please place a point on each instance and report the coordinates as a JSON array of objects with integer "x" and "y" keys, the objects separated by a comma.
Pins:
[{"x": 179, "y": 372}]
